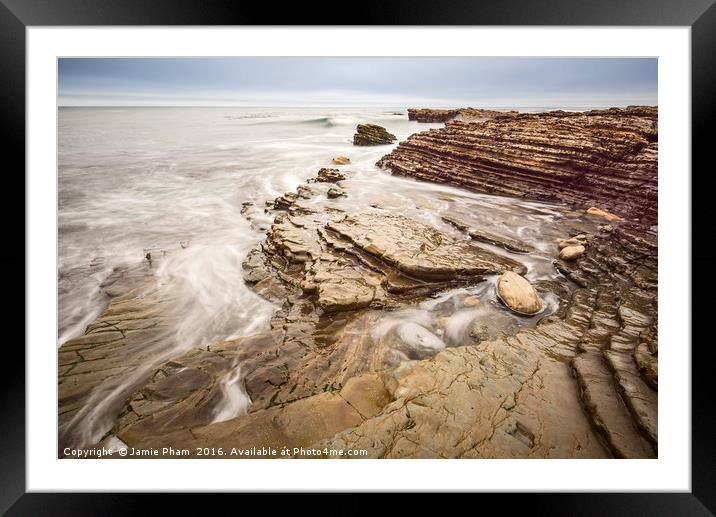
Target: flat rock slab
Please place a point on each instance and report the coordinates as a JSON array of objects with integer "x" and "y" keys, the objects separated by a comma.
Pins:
[{"x": 417, "y": 249}]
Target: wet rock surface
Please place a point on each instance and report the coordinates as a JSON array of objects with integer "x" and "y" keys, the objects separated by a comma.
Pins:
[
  {"x": 515, "y": 396},
  {"x": 387, "y": 337},
  {"x": 372, "y": 134},
  {"x": 121, "y": 344},
  {"x": 581, "y": 383},
  {"x": 553, "y": 156}
]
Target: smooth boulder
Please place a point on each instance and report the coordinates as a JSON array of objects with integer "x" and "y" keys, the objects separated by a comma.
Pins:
[
  {"x": 571, "y": 252},
  {"x": 579, "y": 240},
  {"x": 518, "y": 294},
  {"x": 341, "y": 160}
]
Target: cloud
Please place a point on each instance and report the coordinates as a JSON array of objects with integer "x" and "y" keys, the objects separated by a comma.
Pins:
[{"x": 398, "y": 82}]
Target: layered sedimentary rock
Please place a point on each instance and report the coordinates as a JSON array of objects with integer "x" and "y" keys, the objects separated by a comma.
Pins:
[
  {"x": 443, "y": 115},
  {"x": 580, "y": 382},
  {"x": 333, "y": 275},
  {"x": 601, "y": 158},
  {"x": 372, "y": 134},
  {"x": 118, "y": 348},
  {"x": 515, "y": 396}
]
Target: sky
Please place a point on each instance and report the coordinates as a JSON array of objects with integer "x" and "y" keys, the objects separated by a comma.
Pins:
[{"x": 357, "y": 82}]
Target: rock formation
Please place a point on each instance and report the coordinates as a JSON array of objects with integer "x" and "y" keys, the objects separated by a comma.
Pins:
[
  {"x": 606, "y": 158},
  {"x": 443, "y": 115},
  {"x": 514, "y": 396},
  {"x": 579, "y": 381},
  {"x": 372, "y": 134}
]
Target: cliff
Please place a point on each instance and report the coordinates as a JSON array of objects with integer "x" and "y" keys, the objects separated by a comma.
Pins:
[{"x": 603, "y": 158}]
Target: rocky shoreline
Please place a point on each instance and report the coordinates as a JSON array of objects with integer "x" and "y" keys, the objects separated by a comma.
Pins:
[
  {"x": 577, "y": 382},
  {"x": 443, "y": 115},
  {"x": 601, "y": 158}
]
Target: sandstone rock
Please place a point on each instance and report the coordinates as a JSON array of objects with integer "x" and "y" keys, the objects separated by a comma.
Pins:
[
  {"x": 512, "y": 397},
  {"x": 443, "y": 115},
  {"x": 418, "y": 250},
  {"x": 341, "y": 160},
  {"x": 298, "y": 424},
  {"x": 332, "y": 274},
  {"x": 487, "y": 237},
  {"x": 372, "y": 134},
  {"x": 603, "y": 213},
  {"x": 571, "y": 252},
  {"x": 318, "y": 378},
  {"x": 305, "y": 192},
  {"x": 579, "y": 240},
  {"x": 344, "y": 295},
  {"x": 114, "y": 356},
  {"x": 328, "y": 176},
  {"x": 607, "y": 157},
  {"x": 518, "y": 294},
  {"x": 284, "y": 201},
  {"x": 335, "y": 192}
]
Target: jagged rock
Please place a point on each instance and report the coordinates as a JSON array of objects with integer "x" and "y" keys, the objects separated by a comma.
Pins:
[
  {"x": 571, "y": 252},
  {"x": 335, "y": 192},
  {"x": 328, "y": 176},
  {"x": 372, "y": 134},
  {"x": 284, "y": 201},
  {"x": 518, "y": 294},
  {"x": 305, "y": 192},
  {"x": 607, "y": 157},
  {"x": 443, "y": 115},
  {"x": 341, "y": 160}
]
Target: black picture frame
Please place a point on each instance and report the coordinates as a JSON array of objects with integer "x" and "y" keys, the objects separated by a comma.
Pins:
[{"x": 700, "y": 15}]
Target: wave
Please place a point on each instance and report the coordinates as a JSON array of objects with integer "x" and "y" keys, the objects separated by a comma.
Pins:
[
  {"x": 331, "y": 121},
  {"x": 251, "y": 116}
]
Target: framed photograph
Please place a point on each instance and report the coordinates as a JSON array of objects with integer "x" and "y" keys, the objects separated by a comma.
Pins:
[{"x": 444, "y": 242}]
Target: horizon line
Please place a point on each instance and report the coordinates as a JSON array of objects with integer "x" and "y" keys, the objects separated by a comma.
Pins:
[{"x": 344, "y": 106}]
